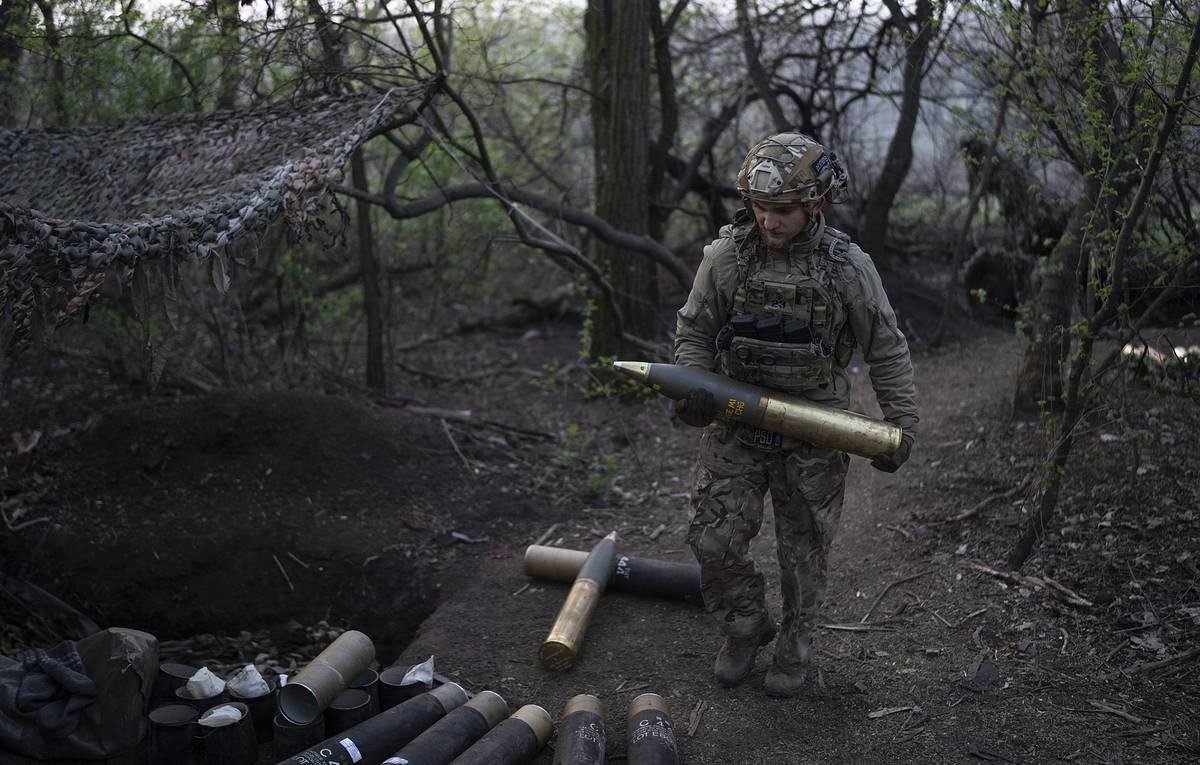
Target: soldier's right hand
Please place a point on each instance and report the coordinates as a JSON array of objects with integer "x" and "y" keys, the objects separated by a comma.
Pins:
[{"x": 698, "y": 409}]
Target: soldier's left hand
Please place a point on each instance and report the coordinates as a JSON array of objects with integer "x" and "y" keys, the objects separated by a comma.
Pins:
[{"x": 890, "y": 463}]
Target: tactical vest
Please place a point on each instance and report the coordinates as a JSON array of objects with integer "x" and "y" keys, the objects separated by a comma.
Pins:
[{"x": 802, "y": 287}]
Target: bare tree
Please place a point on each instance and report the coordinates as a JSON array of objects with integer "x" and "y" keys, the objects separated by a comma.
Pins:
[
  {"x": 916, "y": 31},
  {"x": 12, "y": 17},
  {"x": 618, "y": 62}
]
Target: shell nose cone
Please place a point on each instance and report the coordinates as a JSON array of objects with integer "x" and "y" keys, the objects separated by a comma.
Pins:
[{"x": 638, "y": 370}]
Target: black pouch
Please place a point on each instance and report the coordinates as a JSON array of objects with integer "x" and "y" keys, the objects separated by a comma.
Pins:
[{"x": 787, "y": 367}]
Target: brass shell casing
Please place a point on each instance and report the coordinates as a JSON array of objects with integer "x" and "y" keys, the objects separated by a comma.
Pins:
[
  {"x": 538, "y": 720},
  {"x": 560, "y": 648},
  {"x": 585, "y": 702},
  {"x": 835, "y": 428},
  {"x": 648, "y": 701},
  {"x": 491, "y": 706}
]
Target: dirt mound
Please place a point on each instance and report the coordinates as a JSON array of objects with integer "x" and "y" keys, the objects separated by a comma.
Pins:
[{"x": 245, "y": 509}]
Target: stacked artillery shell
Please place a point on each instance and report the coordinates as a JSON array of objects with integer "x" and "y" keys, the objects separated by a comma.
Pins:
[
  {"x": 651, "y": 734},
  {"x": 372, "y": 740},
  {"x": 454, "y": 733},
  {"x": 643, "y": 576},
  {"x": 777, "y": 412},
  {"x": 515, "y": 741},
  {"x": 581, "y": 739},
  {"x": 309, "y": 693},
  {"x": 561, "y": 647}
]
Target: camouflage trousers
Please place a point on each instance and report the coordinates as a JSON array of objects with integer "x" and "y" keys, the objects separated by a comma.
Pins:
[{"x": 807, "y": 486}]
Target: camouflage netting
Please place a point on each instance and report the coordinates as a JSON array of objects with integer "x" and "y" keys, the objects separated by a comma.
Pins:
[{"x": 82, "y": 205}]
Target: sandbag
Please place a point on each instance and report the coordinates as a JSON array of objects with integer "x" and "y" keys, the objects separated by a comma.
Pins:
[{"x": 77, "y": 701}]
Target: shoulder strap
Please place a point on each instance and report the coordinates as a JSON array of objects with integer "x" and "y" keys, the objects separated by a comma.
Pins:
[{"x": 745, "y": 240}]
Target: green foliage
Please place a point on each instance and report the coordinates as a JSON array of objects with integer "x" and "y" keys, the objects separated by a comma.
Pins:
[{"x": 576, "y": 451}]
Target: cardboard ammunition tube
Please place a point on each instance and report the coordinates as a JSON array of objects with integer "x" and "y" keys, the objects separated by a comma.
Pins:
[
  {"x": 455, "y": 733},
  {"x": 172, "y": 735},
  {"x": 651, "y": 734},
  {"x": 393, "y": 691},
  {"x": 307, "y": 694},
  {"x": 515, "y": 741},
  {"x": 201, "y": 705},
  {"x": 368, "y": 680},
  {"x": 581, "y": 736},
  {"x": 372, "y": 740},
  {"x": 262, "y": 711},
  {"x": 641, "y": 576},
  {"x": 170, "y": 676},
  {"x": 290, "y": 738},
  {"x": 232, "y": 744},
  {"x": 351, "y": 707}
]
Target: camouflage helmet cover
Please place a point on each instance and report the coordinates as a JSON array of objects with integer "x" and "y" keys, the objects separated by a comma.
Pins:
[{"x": 791, "y": 167}]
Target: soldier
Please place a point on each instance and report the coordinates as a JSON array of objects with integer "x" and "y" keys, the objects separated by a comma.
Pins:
[{"x": 781, "y": 300}]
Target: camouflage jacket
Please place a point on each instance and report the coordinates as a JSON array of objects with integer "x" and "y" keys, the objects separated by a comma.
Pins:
[{"x": 866, "y": 319}]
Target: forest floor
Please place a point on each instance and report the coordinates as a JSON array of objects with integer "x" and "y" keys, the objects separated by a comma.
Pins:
[{"x": 233, "y": 524}]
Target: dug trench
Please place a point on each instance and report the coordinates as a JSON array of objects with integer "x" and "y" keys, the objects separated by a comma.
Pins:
[
  {"x": 230, "y": 524},
  {"x": 248, "y": 513}
]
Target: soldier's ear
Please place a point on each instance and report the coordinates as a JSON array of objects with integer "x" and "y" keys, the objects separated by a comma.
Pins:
[{"x": 818, "y": 205}]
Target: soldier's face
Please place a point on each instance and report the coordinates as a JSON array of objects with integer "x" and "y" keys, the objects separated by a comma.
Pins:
[{"x": 780, "y": 223}]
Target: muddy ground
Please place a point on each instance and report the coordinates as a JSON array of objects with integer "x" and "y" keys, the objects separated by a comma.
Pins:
[{"x": 248, "y": 518}]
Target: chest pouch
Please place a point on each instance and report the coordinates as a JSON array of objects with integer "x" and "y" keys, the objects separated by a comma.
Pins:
[{"x": 787, "y": 367}]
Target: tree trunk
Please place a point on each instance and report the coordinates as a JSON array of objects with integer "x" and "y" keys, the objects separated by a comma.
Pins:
[
  {"x": 12, "y": 18},
  {"x": 758, "y": 75},
  {"x": 58, "y": 76},
  {"x": 900, "y": 152},
  {"x": 371, "y": 280},
  {"x": 619, "y": 70},
  {"x": 230, "y": 42},
  {"x": 1039, "y": 381}
]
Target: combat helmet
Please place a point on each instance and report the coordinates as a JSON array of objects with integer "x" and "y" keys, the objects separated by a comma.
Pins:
[{"x": 791, "y": 167}]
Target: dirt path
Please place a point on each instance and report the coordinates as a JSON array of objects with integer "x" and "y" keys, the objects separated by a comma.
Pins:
[
  {"x": 940, "y": 679},
  {"x": 637, "y": 644}
]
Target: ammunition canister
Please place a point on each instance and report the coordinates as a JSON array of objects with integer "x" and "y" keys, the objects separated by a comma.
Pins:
[
  {"x": 374, "y": 739},
  {"x": 561, "y": 647},
  {"x": 455, "y": 733},
  {"x": 351, "y": 707},
  {"x": 170, "y": 676},
  {"x": 393, "y": 690},
  {"x": 307, "y": 694},
  {"x": 263, "y": 709},
  {"x": 172, "y": 735},
  {"x": 651, "y": 734},
  {"x": 777, "y": 412},
  {"x": 581, "y": 737},
  {"x": 643, "y": 576},
  {"x": 368, "y": 680},
  {"x": 515, "y": 741},
  {"x": 290, "y": 738},
  {"x": 231, "y": 744}
]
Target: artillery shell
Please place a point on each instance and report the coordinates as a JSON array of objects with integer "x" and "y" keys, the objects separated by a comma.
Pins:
[
  {"x": 561, "y": 647},
  {"x": 581, "y": 737},
  {"x": 455, "y": 733},
  {"x": 515, "y": 741},
  {"x": 643, "y": 576},
  {"x": 651, "y": 734},
  {"x": 777, "y": 412}
]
